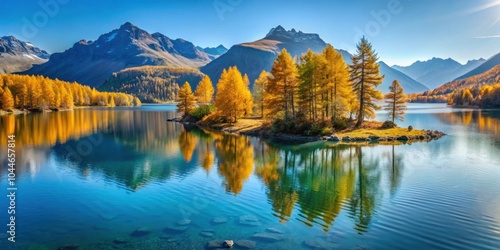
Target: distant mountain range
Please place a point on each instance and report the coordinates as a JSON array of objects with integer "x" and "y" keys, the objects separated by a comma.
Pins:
[
  {"x": 16, "y": 55},
  {"x": 253, "y": 57},
  {"x": 213, "y": 52},
  {"x": 92, "y": 62},
  {"x": 436, "y": 71},
  {"x": 484, "y": 67}
]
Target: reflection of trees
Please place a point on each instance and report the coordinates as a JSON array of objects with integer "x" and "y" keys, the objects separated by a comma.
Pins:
[
  {"x": 485, "y": 121},
  {"x": 187, "y": 144},
  {"x": 235, "y": 161},
  {"x": 395, "y": 170},
  {"x": 321, "y": 181},
  {"x": 366, "y": 193}
]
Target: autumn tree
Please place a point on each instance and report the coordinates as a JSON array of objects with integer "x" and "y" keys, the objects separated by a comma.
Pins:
[
  {"x": 205, "y": 91},
  {"x": 233, "y": 99},
  {"x": 187, "y": 101},
  {"x": 365, "y": 77},
  {"x": 337, "y": 86},
  {"x": 7, "y": 99},
  {"x": 310, "y": 76},
  {"x": 258, "y": 92},
  {"x": 395, "y": 102},
  {"x": 282, "y": 86}
]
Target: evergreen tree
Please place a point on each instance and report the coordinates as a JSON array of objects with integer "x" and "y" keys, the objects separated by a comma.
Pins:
[
  {"x": 7, "y": 99},
  {"x": 396, "y": 102},
  {"x": 187, "y": 101},
  {"x": 365, "y": 77}
]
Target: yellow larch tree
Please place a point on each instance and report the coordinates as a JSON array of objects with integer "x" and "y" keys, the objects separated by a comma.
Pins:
[
  {"x": 205, "y": 92},
  {"x": 233, "y": 100},
  {"x": 282, "y": 86},
  {"x": 7, "y": 99},
  {"x": 187, "y": 100}
]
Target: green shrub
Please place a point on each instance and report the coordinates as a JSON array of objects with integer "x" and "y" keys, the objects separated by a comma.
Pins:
[{"x": 202, "y": 111}]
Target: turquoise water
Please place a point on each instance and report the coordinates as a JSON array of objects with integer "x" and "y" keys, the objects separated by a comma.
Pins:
[{"x": 91, "y": 177}]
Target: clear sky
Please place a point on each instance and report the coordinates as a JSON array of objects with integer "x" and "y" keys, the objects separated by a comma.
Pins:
[{"x": 402, "y": 31}]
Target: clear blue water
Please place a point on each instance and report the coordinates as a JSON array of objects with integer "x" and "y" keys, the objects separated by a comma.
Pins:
[{"x": 89, "y": 177}]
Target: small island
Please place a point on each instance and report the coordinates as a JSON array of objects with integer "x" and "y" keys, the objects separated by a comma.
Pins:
[{"x": 319, "y": 97}]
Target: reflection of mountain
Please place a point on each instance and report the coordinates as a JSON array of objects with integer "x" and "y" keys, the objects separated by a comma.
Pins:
[{"x": 321, "y": 181}]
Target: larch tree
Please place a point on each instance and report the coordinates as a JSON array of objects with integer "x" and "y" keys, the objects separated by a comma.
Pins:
[
  {"x": 365, "y": 77},
  {"x": 337, "y": 83},
  {"x": 395, "y": 102},
  {"x": 258, "y": 92},
  {"x": 205, "y": 92},
  {"x": 233, "y": 99},
  {"x": 310, "y": 84},
  {"x": 187, "y": 101},
  {"x": 282, "y": 86},
  {"x": 7, "y": 99}
]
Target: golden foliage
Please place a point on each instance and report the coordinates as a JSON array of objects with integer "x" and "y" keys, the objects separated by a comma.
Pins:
[
  {"x": 187, "y": 101},
  {"x": 38, "y": 92},
  {"x": 233, "y": 100}
]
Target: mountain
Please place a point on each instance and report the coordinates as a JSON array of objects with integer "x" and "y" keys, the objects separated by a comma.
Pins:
[
  {"x": 443, "y": 92},
  {"x": 490, "y": 77},
  {"x": 16, "y": 55},
  {"x": 484, "y": 67},
  {"x": 409, "y": 84},
  {"x": 152, "y": 84},
  {"x": 92, "y": 62},
  {"x": 213, "y": 52},
  {"x": 436, "y": 71},
  {"x": 253, "y": 57}
]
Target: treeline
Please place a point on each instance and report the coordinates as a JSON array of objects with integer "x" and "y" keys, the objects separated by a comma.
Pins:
[
  {"x": 484, "y": 97},
  {"x": 151, "y": 84},
  {"x": 39, "y": 93},
  {"x": 456, "y": 88},
  {"x": 310, "y": 95}
]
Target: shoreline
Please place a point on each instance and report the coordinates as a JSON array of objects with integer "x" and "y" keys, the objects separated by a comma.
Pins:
[{"x": 366, "y": 135}]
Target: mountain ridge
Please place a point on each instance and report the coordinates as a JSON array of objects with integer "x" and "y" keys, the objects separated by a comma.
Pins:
[
  {"x": 92, "y": 62},
  {"x": 437, "y": 71},
  {"x": 17, "y": 55}
]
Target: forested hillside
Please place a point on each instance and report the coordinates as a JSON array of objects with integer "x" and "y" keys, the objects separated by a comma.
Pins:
[
  {"x": 41, "y": 93},
  {"x": 474, "y": 84},
  {"x": 152, "y": 84}
]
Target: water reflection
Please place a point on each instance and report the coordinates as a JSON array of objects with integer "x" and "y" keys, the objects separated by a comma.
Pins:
[
  {"x": 322, "y": 180},
  {"x": 487, "y": 122},
  {"x": 312, "y": 183}
]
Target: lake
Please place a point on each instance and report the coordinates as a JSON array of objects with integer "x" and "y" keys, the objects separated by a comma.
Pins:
[{"x": 124, "y": 178}]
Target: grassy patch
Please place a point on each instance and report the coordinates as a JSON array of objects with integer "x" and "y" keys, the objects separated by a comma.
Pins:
[{"x": 391, "y": 132}]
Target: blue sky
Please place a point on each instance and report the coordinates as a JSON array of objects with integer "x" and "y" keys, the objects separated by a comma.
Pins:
[{"x": 402, "y": 31}]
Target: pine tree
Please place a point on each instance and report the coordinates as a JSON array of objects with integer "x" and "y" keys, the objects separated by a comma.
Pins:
[
  {"x": 7, "y": 99},
  {"x": 187, "y": 101},
  {"x": 365, "y": 77},
  {"x": 396, "y": 102},
  {"x": 282, "y": 86},
  {"x": 258, "y": 92}
]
